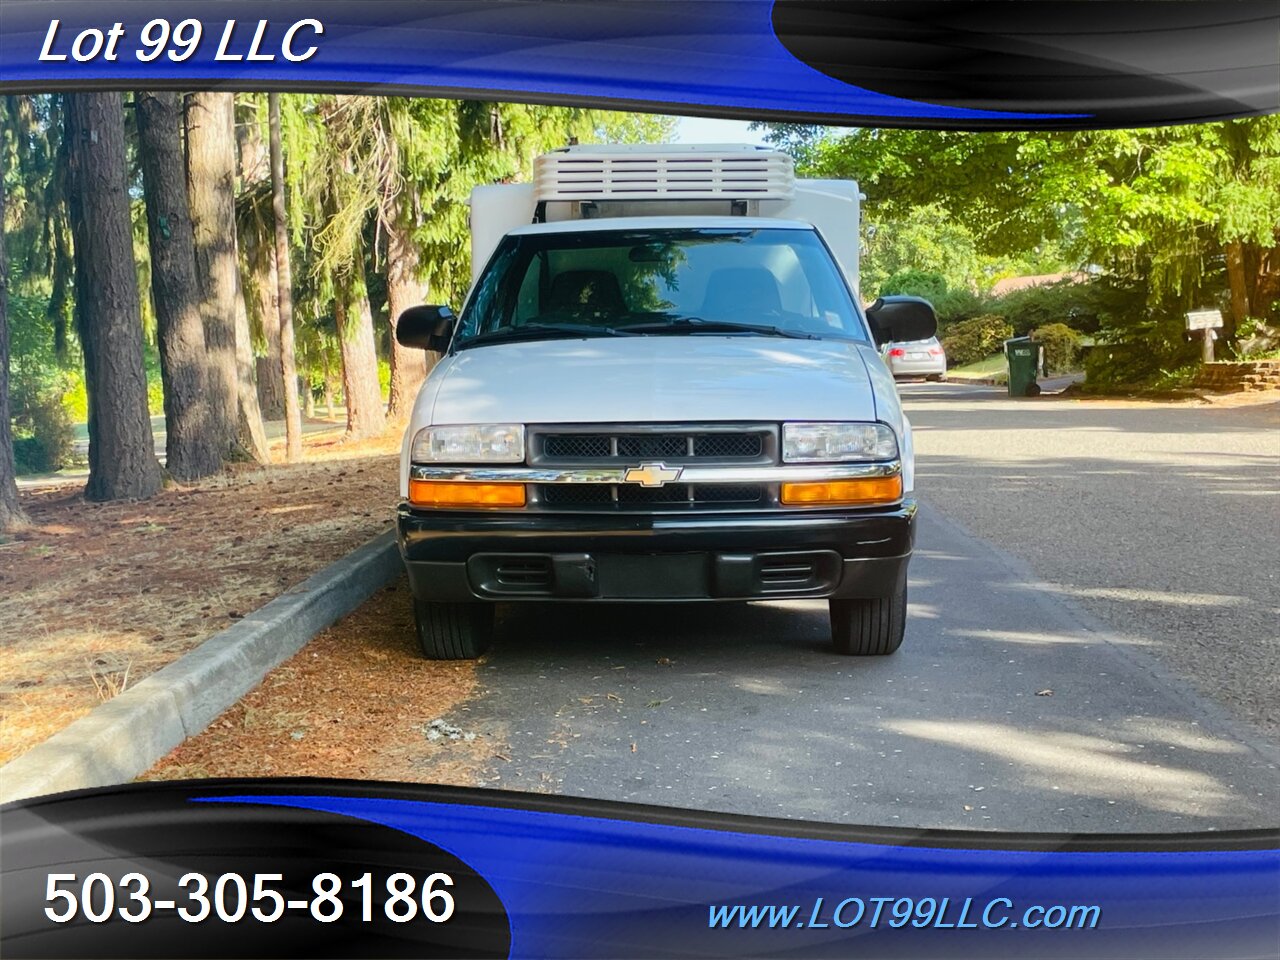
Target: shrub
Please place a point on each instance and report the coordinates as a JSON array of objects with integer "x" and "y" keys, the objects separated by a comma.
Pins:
[
  {"x": 916, "y": 283},
  {"x": 43, "y": 433},
  {"x": 1148, "y": 350},
  {"x": 958, "y": 305},
  {"x": 155, "y": 382},
  {"x": 972, "y": 340},
  {"x": 46, "y": 394},
  {"x": 384, "y": 378},
  {"x": 1072, "y": 304},
  {"x": 952, "y": 304},
  {"x": 1139, "y": 339},
  {"x": 75, "y": 399},
  {"x": 1061, "y": 347}
]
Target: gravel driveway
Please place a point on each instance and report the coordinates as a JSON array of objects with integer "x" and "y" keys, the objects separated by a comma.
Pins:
[{"x": 1162, "y": 520}]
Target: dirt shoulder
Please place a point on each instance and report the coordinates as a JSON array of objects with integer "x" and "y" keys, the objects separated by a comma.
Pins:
[
  {"x": 94, "y": 597},
  {"x": 358, "y": 701}
]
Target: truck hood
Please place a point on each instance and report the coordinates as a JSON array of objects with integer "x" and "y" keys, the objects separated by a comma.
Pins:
[{"x": 655, "y": 379}]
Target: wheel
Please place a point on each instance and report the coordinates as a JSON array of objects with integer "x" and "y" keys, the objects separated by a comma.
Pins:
[
  {"x": 453, "y": 631},
  {"x": 938, "y": 378},
  {"x": 1033, "y": 390},
  {"x": 868, "y": 628}
]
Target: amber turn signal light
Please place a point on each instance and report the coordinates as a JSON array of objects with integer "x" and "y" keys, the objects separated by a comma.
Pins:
[
  {"x": 862, "y": 492},
  {"x": 453, "y": 493}
]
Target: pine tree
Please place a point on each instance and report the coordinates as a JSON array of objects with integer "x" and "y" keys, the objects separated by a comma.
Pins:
[
  {"x": 192, "y": 449},
  {"x": 211, "y": 177},
  {"x": 122, "y": 461}
]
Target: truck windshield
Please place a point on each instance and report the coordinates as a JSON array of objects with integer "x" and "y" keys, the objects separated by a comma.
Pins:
[{"x": 780, "y": 282}]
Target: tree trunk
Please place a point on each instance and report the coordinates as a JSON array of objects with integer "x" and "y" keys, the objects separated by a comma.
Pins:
[
  {"x": 122, "y": 461},
  {"x": 259, "y": 264},
  {"x": 365, "y": 414},
  {"x": 209, "y": 179},
  {"x": 1239, "y": 286},
  {"x": 11, "y": 513},
  {"x": 192, "y": 450},
  {"x": 1261, "y": 282},
  {"x": 326, "y": 392},
  {"x": 251, "y": 430},
  {"x": 284, "y": 292},
  {"x": 59, "y": 309},
  {"x": 1266, "y": 290},
  {"x": 270, "y": 377},
  {"x": 408, "y": 367},
  {"x": 211, "y": 173},
  {"x": 270, "y": 384}
]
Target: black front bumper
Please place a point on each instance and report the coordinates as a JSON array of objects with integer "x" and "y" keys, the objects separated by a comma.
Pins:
[{"x": 463, "y": 555}]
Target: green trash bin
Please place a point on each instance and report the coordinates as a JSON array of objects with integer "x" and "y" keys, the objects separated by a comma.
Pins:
[{"x": 1024, "y": 357}]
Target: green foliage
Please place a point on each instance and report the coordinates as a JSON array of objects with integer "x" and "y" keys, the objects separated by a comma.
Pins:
[
  {"x": 75, "y": 399},
  {"x": 1179, "y": 379},
  {"x": 1136, "y": 349},
  {"x": 384, "y": 377},
  {"x": 43, "y": 433},
  {"x": 1065, "y": 302},
  {"x": 1153, "y": 205},
  {"x": 928, "y": 240},
  {"x": 1258, "y": 340},
  {"x": 37, "y": 386},
  {"x": 969, "y": 341},
  {"x": 1061, "y": 347},
  {"x": 354, "y": 167},
  {"x": 358, "y": 166},
  {"x": 37, "y": 378},
  {"x": 615, "y": 127},
  {"x": 952, "y": 304},
  {"x": 916, "y": 283}
]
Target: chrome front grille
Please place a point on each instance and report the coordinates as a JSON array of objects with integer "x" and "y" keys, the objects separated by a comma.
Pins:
[
  {"x": 570, "y": 446},
  {"x": 728, "y": 446},
  {"x": 618, "y": 447},
  {"x": 630, "y": 496},
  {"x": 672, "y": 444}
]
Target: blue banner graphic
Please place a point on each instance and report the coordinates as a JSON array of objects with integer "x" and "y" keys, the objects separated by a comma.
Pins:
[
  {"x": 578, "y": 885},
  {"x": 957, "y": 64},
  {"x": 341, "y": 869}
]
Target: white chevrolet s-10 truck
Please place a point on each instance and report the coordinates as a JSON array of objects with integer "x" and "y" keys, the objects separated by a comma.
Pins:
[{"x": 662, "y": 387}]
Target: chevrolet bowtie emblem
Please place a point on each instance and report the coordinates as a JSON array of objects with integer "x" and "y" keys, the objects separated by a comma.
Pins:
[{"x": 652, "y": 474}]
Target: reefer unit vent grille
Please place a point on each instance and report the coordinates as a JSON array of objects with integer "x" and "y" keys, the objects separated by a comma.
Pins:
[{"x": 586, "y": 174}]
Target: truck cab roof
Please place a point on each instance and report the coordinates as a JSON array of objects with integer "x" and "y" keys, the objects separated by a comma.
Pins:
[{"x": 662, "y": 223}]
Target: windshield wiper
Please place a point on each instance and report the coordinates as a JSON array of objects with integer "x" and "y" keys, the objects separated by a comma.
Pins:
[
  {"x": 544, "y": 331},
  {"x": 682, "y": 325}
]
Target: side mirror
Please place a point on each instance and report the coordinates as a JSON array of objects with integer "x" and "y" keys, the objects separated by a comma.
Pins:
[
  {"x": 426, "y": 328},
  {"x": 901, "y": 318}
]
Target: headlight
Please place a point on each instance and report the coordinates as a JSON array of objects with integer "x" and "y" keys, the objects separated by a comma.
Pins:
[
  {"x": 470, "y": 443},
  {"x": 826, "y": 442}
]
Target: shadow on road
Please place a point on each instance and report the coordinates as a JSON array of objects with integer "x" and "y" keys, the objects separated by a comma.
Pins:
[{"x": 999, "y": 712}]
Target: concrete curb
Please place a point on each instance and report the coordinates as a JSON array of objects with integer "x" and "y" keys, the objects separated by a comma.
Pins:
[{"x": 123, "y": 738}]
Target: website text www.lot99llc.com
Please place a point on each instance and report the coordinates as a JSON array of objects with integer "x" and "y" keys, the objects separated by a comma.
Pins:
[{"x": 896, "y": 912}]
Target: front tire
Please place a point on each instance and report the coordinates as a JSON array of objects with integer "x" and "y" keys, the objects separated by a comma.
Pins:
[
  {"x": 868, "y": 628},
  {"x": 453, "y": 631}
]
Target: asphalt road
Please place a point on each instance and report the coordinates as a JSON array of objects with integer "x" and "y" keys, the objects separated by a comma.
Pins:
[
  {"x": 1162, "y": 520},
  {"x": 1085, "y": 648}
]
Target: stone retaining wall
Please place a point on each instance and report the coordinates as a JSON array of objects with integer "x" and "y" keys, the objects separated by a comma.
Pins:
[{"x": 1234, "y": 377}]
